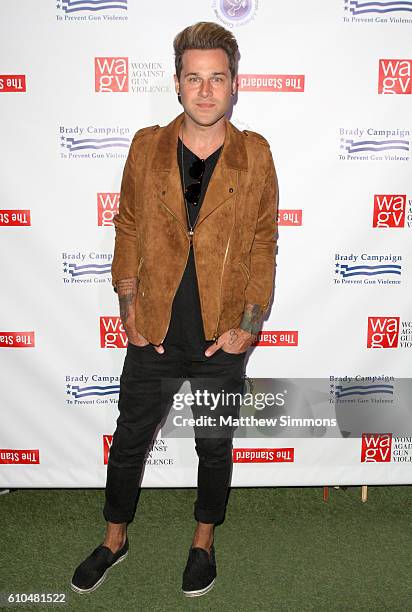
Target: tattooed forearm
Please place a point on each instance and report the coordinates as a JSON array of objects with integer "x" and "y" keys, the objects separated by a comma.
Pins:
[
  {"x": 126, "y": 291},
  {"x": 252, "y": 318},
  {"x": 125, "y": 303},
  {"x": 126, "y": 286}
]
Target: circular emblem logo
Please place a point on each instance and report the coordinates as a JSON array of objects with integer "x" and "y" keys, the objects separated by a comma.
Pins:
[{"x": 235, "y": 12}]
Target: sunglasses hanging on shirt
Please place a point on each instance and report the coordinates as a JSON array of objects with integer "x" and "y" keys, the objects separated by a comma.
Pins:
[{"x": 196, "y": 171}]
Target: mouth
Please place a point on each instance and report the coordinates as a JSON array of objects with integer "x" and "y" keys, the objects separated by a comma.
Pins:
[{"x": 205, "y": 105}]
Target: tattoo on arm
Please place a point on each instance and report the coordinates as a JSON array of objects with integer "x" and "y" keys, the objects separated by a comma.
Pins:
[
  {"x": 252, "y": 318},
  {"x": 125, "y": 303},
  {"x": 126, "y": 291},
  {"x": 233, "y": 336},
  {"x": 126, "y": 286}
]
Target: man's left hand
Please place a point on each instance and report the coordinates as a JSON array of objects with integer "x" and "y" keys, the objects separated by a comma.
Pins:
[{"x": 233, "y": 340}]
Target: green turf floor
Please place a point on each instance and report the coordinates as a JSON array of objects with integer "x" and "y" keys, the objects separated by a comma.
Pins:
[{"x": 279, "y": 549}]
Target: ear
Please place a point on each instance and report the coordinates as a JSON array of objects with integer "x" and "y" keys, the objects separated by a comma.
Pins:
[
  {"x": 234, "y": 86},
  {"x": 177, "y": 85}
]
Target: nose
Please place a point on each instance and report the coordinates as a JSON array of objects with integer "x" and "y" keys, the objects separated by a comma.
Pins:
[{"x": 205, "y": 88}]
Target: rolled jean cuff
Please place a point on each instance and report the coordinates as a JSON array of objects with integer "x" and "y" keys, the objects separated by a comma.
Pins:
[
  {"x": 211, "y": 515},
  {"x": 115, "y": 515}
]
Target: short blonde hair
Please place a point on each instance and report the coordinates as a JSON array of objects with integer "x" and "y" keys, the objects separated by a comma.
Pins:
[{"x": 206, "y": 35}]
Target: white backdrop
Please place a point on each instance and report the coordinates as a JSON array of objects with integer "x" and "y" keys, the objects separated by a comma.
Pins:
[{"x": 342, "y": 149}]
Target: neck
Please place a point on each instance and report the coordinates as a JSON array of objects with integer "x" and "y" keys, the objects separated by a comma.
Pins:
[{"x": 203, "y": 136}]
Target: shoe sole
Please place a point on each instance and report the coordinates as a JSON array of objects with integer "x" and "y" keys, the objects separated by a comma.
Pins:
[
  {"x": 200, "y": 592},
  {"x": 77, "y": 589}
]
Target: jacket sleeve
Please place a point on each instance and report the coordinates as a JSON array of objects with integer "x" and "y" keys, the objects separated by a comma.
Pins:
[
  {"x": 263, "y": 252},
  {"x": 125, "y": 260}
]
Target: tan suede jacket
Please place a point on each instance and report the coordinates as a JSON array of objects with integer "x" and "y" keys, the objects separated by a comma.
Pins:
[{"x": 234, "y": 238}]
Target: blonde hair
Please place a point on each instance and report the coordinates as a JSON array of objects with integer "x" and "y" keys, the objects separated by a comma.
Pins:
[{"x": 206, "y": 35}]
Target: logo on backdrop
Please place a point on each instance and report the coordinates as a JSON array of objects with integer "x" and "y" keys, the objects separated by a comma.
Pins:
[
  {"x": 263, "y": 455},
  {"x": 91, "y": 10},
  {"x": 384, "y": 447},
  {"x": 389, "y": 332},
  {"x": 111, "y": 74},
  {"x": 382, "y": 11},
  {"x": 118, "y": 75},
  {"x": 356, "y": 389},
  {"x": 112, "y": 334},
  {"x": 383, "y": 332},
  {"x": 395, "y": 76},
  {"x": 370, "y": 144},
  {"x": 157, "y": 454},
  {"x": 19, "y": 455},
  {"x": 107, "y": 444},
  {"x": 107, "y": 207},
  {"x": 392, "y": 210},
  {"x": 15, "y": 217},
  {"x": 271, "y": 82},
  {"x": 277, "y": 338},
  {"x": 19, "y": 339},
  {"x": 376, "y": 448},
  {"x": 86, "y": 268},
  {"x": 289, "y": 217},
  {"x": 235, "y": 12},
  {"x": 93, "y": 142},
  {"x": 12, "y": 83},
  {"x": 367, "y": 269},
  {"x": 92, "y": 389}
]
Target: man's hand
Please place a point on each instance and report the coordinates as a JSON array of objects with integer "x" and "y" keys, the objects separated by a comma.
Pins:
[
  {"x": 234, "y": 340},
  {"x": 238, "y": 340},
  {"x": 127, "y": 291}
]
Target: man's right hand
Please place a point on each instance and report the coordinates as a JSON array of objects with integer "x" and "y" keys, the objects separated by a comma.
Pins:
[
  {"x": 127, "y": 292},
  {"x": 138, "y": 340}
]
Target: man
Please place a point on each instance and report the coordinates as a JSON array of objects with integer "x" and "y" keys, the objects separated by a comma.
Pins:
[{"x": 193, "y": 269}]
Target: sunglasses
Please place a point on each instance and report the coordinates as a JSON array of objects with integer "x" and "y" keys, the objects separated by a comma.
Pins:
[{"x": 196, "y": 171}]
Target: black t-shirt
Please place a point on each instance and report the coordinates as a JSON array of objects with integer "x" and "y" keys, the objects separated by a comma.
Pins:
[
  {"x": 186, "y": 325},
  {"x": 188, "y": 158}
]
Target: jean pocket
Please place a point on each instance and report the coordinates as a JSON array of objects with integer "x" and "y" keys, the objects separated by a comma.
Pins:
[{"x": 232, "y": 354}]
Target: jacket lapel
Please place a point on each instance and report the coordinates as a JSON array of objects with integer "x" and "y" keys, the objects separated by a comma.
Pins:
[
  {"x": 166, "y": 171},
  {"x": 225, "y": 178}
]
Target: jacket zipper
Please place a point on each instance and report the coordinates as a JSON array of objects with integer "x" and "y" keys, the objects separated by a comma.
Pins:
[
  {"x": 215, "y": 335},
  {"x": 139, "y": 267},
  {"x": 246, "y": 270}
]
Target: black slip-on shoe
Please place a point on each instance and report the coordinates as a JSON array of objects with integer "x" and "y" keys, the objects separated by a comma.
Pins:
[
  {"x": 200, "y": 572},
  {"x": 90, "y": 574}
]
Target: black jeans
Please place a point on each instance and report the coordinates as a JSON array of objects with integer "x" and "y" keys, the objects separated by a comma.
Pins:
[{"x": 141, "y": 410}]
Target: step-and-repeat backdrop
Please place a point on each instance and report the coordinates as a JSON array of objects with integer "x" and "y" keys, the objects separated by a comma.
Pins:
[{"x": 328, "y": 83}]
